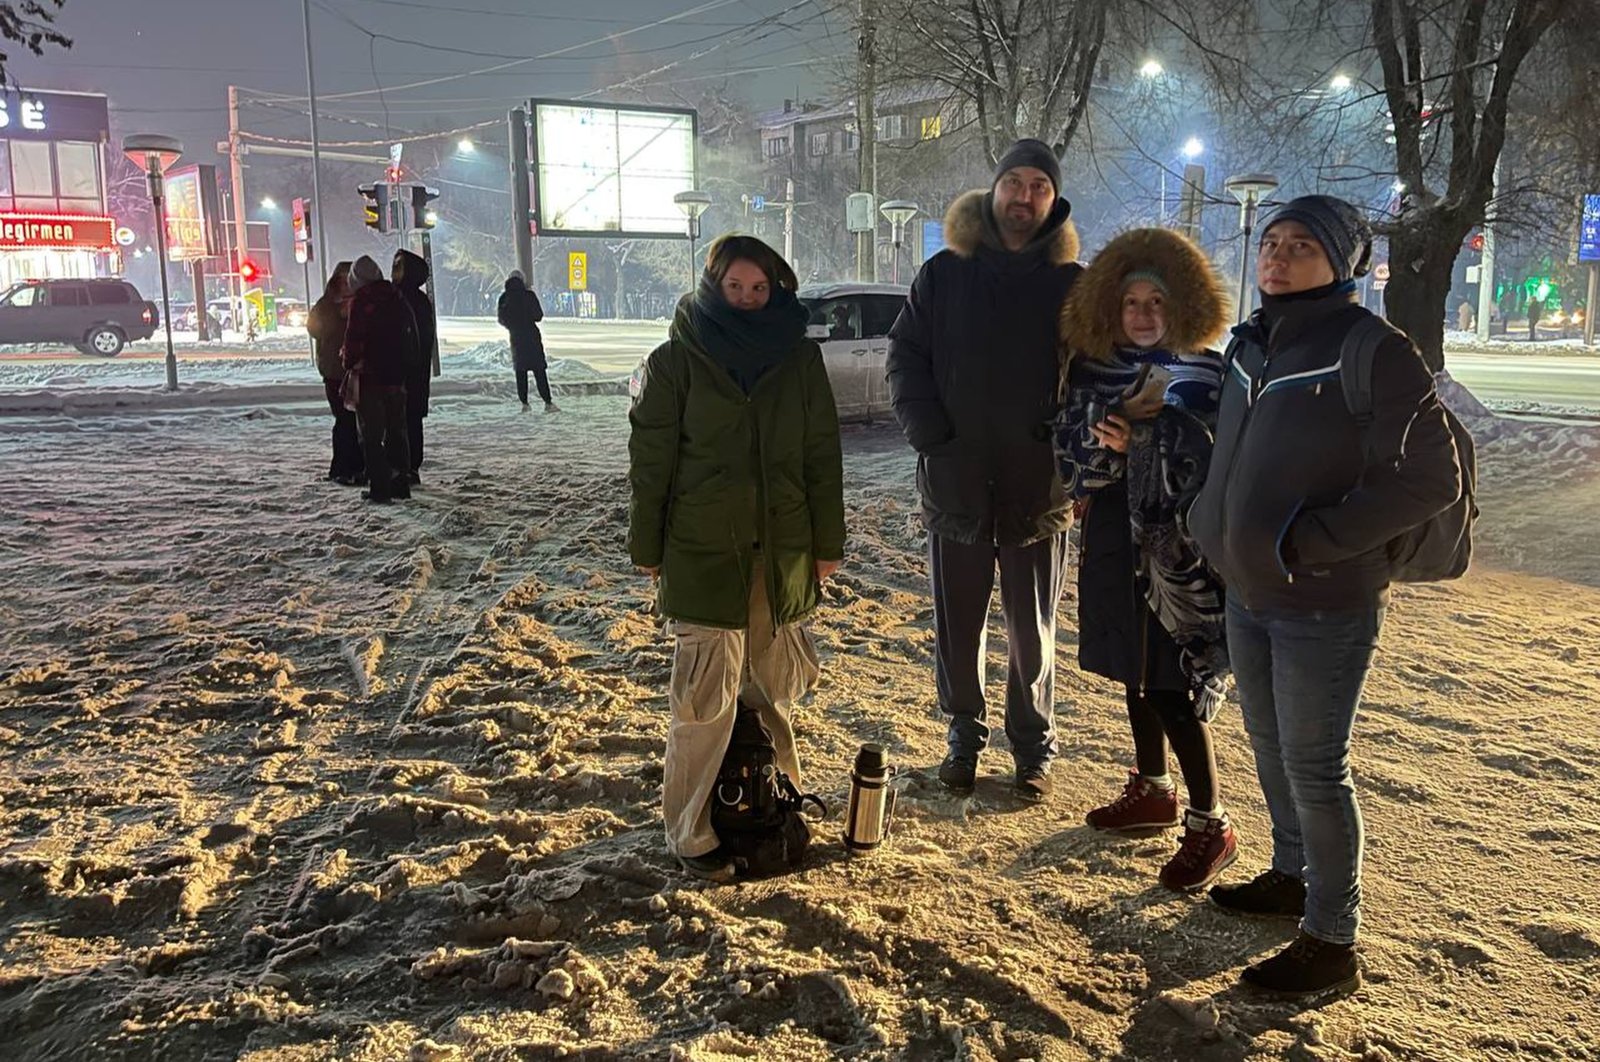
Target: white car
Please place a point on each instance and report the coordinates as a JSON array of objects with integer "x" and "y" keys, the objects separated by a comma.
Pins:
[{"x": 850, "y": 322}]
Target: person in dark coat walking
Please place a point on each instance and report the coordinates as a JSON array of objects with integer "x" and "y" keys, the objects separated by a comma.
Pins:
[
  {"x": 519, "y": 313},
  {"x": 409, "y": 274},
  {"x": 1134, "y": 441},
  {"x": 1296, "y": 515},
  {"x": 975, "y": 380},
  {"x": 326, "y": 324},
  {"x": 380, "y": 343}
]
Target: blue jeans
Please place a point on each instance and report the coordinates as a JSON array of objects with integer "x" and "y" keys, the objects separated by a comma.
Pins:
[{"x": 1300, "y": 676}]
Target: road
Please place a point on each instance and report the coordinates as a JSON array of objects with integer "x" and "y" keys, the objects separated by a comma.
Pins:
[
  {"x": 615, "y": 348},
  {"x": 1497, "y": 378}
]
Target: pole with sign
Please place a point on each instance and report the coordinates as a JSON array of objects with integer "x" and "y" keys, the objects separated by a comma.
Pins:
[
  {"x": 1589, "y": 254},
  {"x": 578, "y": 271},
  {"x": 300, "y": 220}
]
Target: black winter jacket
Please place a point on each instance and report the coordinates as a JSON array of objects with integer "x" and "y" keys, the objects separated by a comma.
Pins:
[
  {"x": 412, "y": 275},
  {"x": 975, "y": 377},
  {"x": 519, "y": 313},
  {"x": 1292, "y": 516}
]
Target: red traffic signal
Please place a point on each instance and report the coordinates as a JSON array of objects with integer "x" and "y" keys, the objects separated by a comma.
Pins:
[
  {"x": 249, "y": 272},
  {"x": 1477, "y": 241}
]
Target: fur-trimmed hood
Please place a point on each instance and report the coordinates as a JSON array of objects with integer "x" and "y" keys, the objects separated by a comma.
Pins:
[
  {"x": 963, "y": 228},
  {"x": 1198, "y": 307}
]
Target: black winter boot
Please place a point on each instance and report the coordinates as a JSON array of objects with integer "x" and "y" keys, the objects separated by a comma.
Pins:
[
  {"x": 1272, "y": 894},
  {"x": 1307, "y": 967},
  {"x": 959, "y": 773}
]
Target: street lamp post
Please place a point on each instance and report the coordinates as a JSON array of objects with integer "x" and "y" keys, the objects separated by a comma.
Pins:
[
  {"x": 1192, "y": 149},
  {"x": 155, "y": 155},
  {"x": 1249, "y": 189},
  {"x": 898, "y": 211},
  {"x": 693, "y": 203}
]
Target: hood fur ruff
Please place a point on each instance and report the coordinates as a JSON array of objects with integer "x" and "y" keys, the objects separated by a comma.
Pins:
[
  {"x": 963, "y": 230},
  {"x": 1199, "y": 310}
]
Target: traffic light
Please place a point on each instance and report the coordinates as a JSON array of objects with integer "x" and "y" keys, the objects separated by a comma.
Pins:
[
  {"x": 249, "y": 272},
  {"x": 1477, "y": 241},
  {"x": 376, "y": 205},
  {"x": 421, "y": 216}
]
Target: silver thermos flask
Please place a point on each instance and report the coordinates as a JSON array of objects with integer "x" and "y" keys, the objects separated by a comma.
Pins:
[{"x": 871, "y": 800}]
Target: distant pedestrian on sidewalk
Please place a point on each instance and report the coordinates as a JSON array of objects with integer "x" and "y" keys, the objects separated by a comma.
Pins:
[
  {"x": 326, "y": 324},
  {"x": 1134, "y": 443},
  {"x": 519, "y": 313},
  {"x": 409, "y": 273},
  {"x": 1296, "y": 515},
  {"x": 738, "y": 512},
  {"x": 380, "y": 343},
  {"x": 975, "y": 380}
]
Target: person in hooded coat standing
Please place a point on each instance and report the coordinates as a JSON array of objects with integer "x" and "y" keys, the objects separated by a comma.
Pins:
[
  {"x": 409, "y": 274},
  {"x": 519, "y": 313},
  {"x": 738, "y": 513},
  {"x": 379, "y": 343},
  {"x": 326, "y": 324},
  {"x": 1134, "y": 443}
]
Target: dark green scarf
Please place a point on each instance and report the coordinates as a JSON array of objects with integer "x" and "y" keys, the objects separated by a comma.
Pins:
[{"x": 747, "y": 342}]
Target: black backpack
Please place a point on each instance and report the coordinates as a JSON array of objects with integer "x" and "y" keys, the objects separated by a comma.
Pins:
[
  {"x": 756, "y": 811},
  {"x": 1440, "y": 547}
]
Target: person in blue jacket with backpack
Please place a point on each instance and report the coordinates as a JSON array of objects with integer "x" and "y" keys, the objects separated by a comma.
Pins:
[{"x": 1302, "y": 513}]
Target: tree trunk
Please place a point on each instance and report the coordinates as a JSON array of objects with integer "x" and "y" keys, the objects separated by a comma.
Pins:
[{"x": 1422, "y": 261}]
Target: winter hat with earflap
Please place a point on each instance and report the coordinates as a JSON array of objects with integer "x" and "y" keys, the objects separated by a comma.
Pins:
[
  {"x": 1340, "y": 228},
  {"x": 1035, "y": 153},
  {"x": 364, "y": 272}
]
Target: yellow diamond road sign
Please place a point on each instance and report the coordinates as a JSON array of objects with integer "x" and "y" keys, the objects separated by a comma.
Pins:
[{"x": 578, "y": 271}]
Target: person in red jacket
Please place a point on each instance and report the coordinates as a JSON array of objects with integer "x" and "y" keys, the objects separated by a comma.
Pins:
[{"x": 380, "y": 342}]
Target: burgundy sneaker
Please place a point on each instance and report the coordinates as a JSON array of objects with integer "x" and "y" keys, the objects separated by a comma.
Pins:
[
  {"x": 1209, "y": 847},
  {"x": 1141, "y": 806}
]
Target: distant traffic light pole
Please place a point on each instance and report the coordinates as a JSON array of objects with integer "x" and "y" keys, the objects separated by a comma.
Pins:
[{"x": 316, "y": 149}]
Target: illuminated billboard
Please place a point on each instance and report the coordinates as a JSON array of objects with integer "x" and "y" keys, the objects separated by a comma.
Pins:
[
  {"x": 56, "y": 231},
  {"x": 192, "y": 212},
  {"x": 603, "y": 169},
  {"x": 1589, "y": 232}
]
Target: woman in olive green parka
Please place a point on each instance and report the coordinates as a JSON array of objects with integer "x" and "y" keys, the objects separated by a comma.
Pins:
[{"x": 738, "y": 512}]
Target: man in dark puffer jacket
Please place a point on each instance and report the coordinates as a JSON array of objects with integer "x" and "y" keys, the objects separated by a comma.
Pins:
[
  {"x": 380, "y": 341},
  {"x": 975, "y": 378},
  {"x": 1296, "y": 520}
]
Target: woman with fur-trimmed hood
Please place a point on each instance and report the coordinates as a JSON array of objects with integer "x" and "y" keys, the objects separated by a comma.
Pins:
[{"x": 1133, "y": 444}]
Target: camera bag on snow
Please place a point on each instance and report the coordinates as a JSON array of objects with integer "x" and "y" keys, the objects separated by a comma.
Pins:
[{"x": 756, "y": 811}]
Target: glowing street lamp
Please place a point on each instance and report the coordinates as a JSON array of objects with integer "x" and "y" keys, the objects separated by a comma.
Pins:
[
  {"x": 268, "y": 203},
  {"x": 1341, "y": 82},
  {"x": 466, "y": 146},
  {"x": 1151, "y": 68},
  {"x": 898, "y": 211},
  {"x": 1193, "y": 148},
  {"x": 693, "y": 203},
  {"x": 155, "y": 155},
  {"x": 1249, "y": 189}
]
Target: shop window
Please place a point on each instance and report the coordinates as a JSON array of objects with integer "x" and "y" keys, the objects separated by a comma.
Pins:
[
  {"x": 78, "y": 171},
  {"x": 31, "y": 176}
]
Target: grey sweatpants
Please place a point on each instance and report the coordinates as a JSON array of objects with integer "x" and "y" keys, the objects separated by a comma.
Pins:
[
  {"x": 1031, "y": 581},
  {"x": 712, "y": 670}
]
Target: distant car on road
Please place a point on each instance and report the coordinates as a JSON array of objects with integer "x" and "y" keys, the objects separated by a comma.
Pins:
[
  {"x": 850, "y": 322},
  {"x": 291, "y": 312},
  {"x": 97, "y": 316}
]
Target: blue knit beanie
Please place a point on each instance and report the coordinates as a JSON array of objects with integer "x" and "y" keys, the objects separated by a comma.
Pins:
[{"x": 1337, "y": 225}]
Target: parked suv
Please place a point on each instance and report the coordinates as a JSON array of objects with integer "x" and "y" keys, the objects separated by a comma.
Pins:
[{"x": 96, "y": 316}]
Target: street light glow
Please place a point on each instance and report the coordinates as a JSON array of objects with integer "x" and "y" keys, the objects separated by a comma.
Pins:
[
  {"x": 268, "y": 203},
  {"x": 1193, "y": 148},
  {"x": 1399, "y": 186},
  {"x": 1341, "y": 82},
  {"x": 1151, "y": 68},
  {"x": 466, "y": 146}
]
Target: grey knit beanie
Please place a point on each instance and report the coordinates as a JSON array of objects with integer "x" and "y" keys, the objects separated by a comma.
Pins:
[
  {"x": 364, "y": 272},
  {"x": 1340, "y": 228},
  {"x": 1035, "y": 153}
]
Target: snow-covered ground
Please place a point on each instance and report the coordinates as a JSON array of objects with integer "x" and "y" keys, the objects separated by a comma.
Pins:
[
  {"x": 288, "y": 777},
  {"x": 1516, "y": 343}
]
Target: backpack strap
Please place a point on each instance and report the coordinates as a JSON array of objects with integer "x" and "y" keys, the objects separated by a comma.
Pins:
[{"x": 1357, "y": 356}]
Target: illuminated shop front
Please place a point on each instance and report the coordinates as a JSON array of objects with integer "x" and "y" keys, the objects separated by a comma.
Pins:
[{"x": 53, "y": 215}]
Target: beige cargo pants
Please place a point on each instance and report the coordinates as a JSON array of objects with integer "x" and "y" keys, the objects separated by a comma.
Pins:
[{"x": 712, "y": 669}]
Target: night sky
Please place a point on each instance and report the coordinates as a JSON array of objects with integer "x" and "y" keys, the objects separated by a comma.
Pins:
[{"x": 166, "y": 64}]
